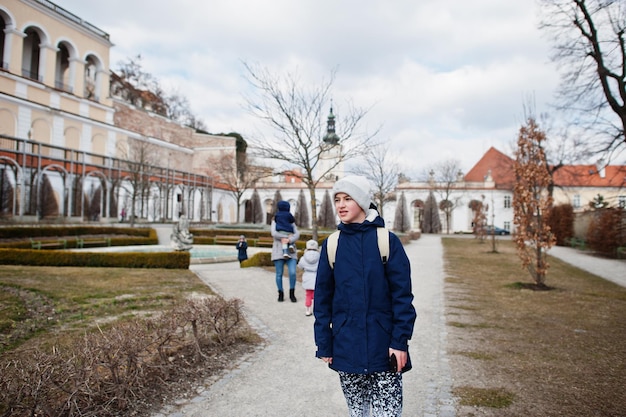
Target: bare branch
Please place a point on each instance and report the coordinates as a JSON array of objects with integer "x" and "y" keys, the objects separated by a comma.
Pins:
[
  {"x": 589, "y": 46},
  {"x": 295, "y": 114},
  {"x": 381, "y": 168}
]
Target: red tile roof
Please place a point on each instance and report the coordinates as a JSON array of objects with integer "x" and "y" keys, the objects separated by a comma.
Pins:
[
  {"x": 588, "y": 176},
  {"x": 501, "y": 168},
  {"x": 498, "y": 164}
]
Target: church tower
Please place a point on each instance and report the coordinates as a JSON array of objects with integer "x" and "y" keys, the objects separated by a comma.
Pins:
[{"x": 331, "y": 152}]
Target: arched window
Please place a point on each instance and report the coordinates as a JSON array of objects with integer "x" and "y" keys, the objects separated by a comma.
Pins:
[
  {"x": 91, "y": 78},
  {"x": 418, "y": 213},
  {"x": 62, "y": 78},
  {"x": 3, "y": 61},
  {"x": 30, "y": 55}
]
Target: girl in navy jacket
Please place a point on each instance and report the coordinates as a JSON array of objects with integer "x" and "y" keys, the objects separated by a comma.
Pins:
[{"x": 363, "y": 309}]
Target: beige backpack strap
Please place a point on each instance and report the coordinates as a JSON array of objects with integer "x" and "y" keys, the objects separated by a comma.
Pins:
[
  {"x": 331, "y": 248},
  {"x": 383, "y": 245}
]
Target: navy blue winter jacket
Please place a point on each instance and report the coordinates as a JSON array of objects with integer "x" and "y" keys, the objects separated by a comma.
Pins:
[{"x": 362, "y": 307}]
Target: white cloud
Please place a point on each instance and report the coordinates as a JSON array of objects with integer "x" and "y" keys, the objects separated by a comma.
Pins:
[{"x": 446, "y": 78}]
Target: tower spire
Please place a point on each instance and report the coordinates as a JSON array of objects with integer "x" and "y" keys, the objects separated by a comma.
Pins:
[{"x": 331, "y": 137}]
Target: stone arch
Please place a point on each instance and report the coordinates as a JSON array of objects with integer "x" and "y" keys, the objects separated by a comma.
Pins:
[
  {"x": 92, "y": 76},
  {"x": 8, "y": 123},
  {"x": 95, "y": 198},
  {"x": 418, "y": 213},
  {"x": 268, "y": 203},
  {"x": 220, "y": 212},
  {"x": 48, "y": 200},
  {"x": 64, "y": 66},
  {"x": 40, "y": 130},
  {"x": 99, "y": 144},
  {"x": 32, "y": 52},
  {"x": 72, "y": 138},
  {"x": 9, "y": 192},
  {"x": 6, "y": 22}
]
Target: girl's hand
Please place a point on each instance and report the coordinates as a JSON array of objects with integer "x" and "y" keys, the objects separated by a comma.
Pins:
[
  {"x": 401, "y": 357},
  {"x": 327, "y": 360}
]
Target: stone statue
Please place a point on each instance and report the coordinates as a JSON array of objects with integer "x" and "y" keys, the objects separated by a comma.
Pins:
[{"x": 181, "y": 239}]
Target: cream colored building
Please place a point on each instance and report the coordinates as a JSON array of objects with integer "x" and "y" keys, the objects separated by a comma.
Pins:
[
  {"x": 61, "y": 127},
  {"x": 55, "y": 84}
]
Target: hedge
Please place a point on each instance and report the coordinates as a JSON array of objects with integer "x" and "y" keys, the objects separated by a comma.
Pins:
[
  {"x": 167, "y": 260},
  {"x": 127, "y": 236}
]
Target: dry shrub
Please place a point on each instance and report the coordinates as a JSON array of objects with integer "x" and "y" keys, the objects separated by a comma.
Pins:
[
  {"x": 607, "y": 231},
  {"x": 212, "y": 320},
  {"x": 561, "y": 222},
  {"x": 125, "y": 369}
]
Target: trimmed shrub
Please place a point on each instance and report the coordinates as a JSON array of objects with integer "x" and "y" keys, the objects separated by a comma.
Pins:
[
  {"x": 561, "y": 222},
  {"x": 127, "y": 236},
  {"x": 607, "y": 231},
  {"x": 258, "y": 259},
  {"x": 167, "y": 260}
]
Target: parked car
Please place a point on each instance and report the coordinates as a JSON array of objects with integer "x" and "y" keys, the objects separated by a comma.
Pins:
[{"x": 496, "y": 230}]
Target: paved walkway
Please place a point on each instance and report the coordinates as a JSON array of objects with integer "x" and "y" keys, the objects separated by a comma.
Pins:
[
  {"x": 285, "y": 379},
  {"x": 610, "y": 269}
]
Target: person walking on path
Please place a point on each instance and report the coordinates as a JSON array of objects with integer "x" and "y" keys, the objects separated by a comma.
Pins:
[
  {"x": 242, "y": 249},
  {"x": 308, "y": 263},
  {"x": 280, "y": 261},
  {"x": 364, "y": 315}
]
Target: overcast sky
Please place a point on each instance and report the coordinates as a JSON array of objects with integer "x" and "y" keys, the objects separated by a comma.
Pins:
[{"x": 447, "y": 79}]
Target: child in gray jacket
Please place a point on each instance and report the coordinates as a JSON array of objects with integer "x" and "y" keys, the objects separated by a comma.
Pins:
[{"x": 308, "y": 263}]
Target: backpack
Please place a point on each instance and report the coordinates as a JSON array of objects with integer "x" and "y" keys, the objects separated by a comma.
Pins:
[{"x": 383, "y": 245}]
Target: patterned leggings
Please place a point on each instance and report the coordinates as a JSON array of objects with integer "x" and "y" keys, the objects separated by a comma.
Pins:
[{"x": 373, "y": 395}]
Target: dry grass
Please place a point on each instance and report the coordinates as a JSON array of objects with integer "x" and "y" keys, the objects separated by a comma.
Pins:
[
  {"x": 38, "y": 301},
  {"x": 54, "y": 322},
  {"x": 517, "y": 352}
]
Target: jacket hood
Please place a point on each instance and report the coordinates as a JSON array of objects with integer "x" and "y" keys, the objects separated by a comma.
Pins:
[
  {"x": 283, "y": 206},
  {"x": 311, "y": 256}
]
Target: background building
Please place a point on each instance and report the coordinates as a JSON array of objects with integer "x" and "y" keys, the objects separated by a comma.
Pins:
[{"x": 76, "y": 145}]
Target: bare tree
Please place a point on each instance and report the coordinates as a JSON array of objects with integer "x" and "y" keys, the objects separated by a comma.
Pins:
[
  {"x": 295, "y": 113},
  {"x": 140, "y": 158},
  {"x": 589, "y": 45},
  {"x": 564, "y": 148},
  {"x": 479, "y": 209},
  {"x": 444, "y": 178},
  {"x": 179, "y": 109},
  {"x": 237, "y": 172},
  {"x": 531, "y": 202},
  {"x": 140, "y": 88},
  {"x": 382, "y": 169}
]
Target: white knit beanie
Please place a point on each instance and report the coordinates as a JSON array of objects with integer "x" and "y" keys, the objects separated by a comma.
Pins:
[{"x": 357, "y": 187}]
